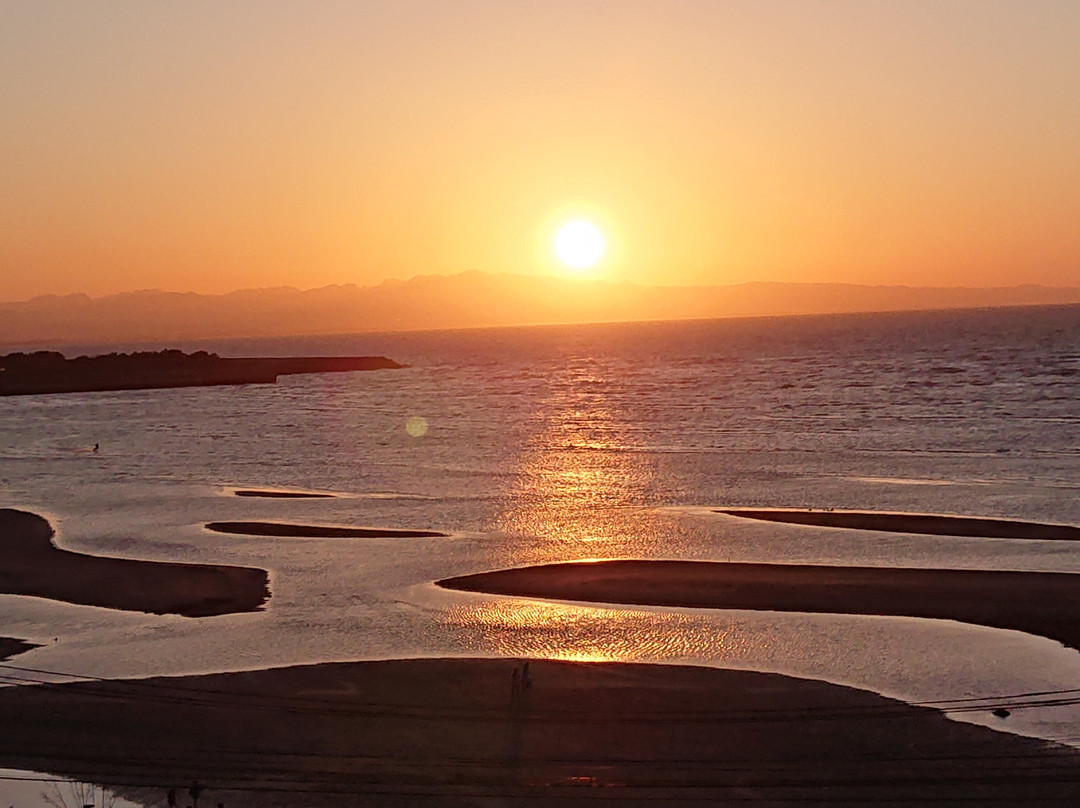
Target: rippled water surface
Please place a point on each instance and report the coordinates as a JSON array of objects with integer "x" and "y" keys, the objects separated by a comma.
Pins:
[{"x": 565, "y": 443}]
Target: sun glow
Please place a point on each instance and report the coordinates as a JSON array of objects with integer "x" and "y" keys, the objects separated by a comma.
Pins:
[{"x": 579, "y": 244}]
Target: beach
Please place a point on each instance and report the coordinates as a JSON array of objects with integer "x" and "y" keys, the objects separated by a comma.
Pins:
[
  {"x": 450, "y": 732},
  {"x": 10, "y": 646},
  {"x": 928, "y": 524},
  {"x": 318, "y": 531},
  {"x": 31, "y": 564},
  {"x": 454, "y": 731},
  {"x": 1046, "y": 604}
]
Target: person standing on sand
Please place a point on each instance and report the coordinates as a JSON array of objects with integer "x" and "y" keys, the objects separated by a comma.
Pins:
[{"x": 194, "y": 792}]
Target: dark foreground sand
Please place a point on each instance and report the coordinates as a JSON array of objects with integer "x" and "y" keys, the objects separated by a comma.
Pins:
[
  {"x": 1047, "y": 604},
  {"x": 448, "y": 732},
  {"x": 30, "y": 564},
  {"x": 284, "y": 529},
  {"x": 922, "y": 523}
]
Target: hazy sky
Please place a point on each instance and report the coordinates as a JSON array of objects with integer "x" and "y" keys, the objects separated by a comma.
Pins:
[{"x": 210, "y": 146}]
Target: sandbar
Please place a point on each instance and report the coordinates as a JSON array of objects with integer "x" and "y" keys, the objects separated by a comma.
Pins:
[
  {"x": 10, "y": 646},
  {"x": 31, "y": 564},
  {"x": 287, "y": 530},
  {"x": 1042, "y": 603},
  {"x": 921, "y": 523},
  {"x": 449, "y": 732},
  {"x": 269, "y": 494}
]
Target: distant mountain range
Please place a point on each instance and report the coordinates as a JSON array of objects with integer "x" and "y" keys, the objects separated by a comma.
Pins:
[{"x": 471, "y": 299}]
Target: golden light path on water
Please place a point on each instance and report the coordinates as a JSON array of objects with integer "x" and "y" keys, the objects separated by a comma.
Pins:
[
  {"x": 561, "y": 631},
  {"x": 578, "y": 489},
  {"x": 909, "y": 659},
  {"x": 580, "y": 483},
  {"x": 580, "y": 493}
]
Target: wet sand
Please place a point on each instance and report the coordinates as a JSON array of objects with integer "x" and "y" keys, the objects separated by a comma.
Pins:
[
  {"x": 30, "y": 564},
  {"x": 255, "y": 492},
  {"x": 925, "y": 524},
  {"x": 449, "y": 733},
  {"x": 1042, "y": 603},
  {"x": 286, "y": 530},
  {"x": 9, "y": 647}
]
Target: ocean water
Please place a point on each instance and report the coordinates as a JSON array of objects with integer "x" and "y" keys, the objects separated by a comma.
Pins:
[{"x": 562, "y": 443}]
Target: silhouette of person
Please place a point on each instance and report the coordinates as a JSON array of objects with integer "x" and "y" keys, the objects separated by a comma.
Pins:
[
  {"x": 515, "y": 682},
  {"x": 526, "y": 682},
  {"x": 195, "y": 791}
]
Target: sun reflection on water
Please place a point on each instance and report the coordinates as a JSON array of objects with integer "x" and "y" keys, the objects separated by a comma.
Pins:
[
  {"x": 579, "y": 482},
  {"x": 512, "y": 627}
]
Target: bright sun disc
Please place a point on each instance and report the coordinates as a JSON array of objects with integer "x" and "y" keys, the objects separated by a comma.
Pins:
[{"x": 579, "y": 244}]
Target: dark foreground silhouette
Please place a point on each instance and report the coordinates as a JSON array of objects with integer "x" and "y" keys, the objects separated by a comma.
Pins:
[
  {"x": 451, "y": 732},
  {"x": 51, "y": 372},
  {"x": 30, "y": 564}
]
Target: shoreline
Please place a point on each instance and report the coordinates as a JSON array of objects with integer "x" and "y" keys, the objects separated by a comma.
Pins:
[
  {"x": 1046, "y": 604},
  {"x": 451, "y": 730},
  {"x": 31, "y": 564}
]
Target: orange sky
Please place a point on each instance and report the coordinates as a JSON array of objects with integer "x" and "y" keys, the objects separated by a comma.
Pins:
[{"x": 210, "y": 146}]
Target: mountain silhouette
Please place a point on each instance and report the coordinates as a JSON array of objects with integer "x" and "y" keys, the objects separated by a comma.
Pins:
[{"x": 470, "y": 299}]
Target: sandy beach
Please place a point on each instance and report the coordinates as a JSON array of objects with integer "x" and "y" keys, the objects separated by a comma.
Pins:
[
  {"x": 450, "y": 732},
  {"x": 1046, "y": 604},
  {"x": 927, "y": 524},
  {"x": 10, "y": 646},
  {"x": 288, "y": 530},
  {"x": 30, "y": 564},
  {"x": 268, "y": 494},
  {"x": 453, "y": 732}
]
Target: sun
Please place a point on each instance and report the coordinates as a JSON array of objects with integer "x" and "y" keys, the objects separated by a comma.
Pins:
[{"x": 579, "y": 244}]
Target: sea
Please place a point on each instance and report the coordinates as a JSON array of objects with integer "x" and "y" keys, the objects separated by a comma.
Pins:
[{"x": 562, "y": 443}]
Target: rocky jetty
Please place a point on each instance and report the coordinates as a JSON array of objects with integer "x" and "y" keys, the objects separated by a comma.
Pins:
[{"x": 52, "y": 372}]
